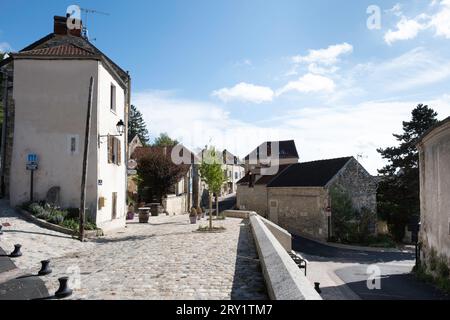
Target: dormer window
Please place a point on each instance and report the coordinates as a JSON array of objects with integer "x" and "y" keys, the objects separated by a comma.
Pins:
[{"x": 113, "y": 98}]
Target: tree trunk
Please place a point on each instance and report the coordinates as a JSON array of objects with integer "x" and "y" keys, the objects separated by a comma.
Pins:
[
  {"x": 210, "y": 210},
  {"x": 217, "y": 206}
]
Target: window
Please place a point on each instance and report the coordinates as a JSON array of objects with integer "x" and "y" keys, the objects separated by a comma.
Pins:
[
  {"x": 236, "y": 175},
  {"x": 72, "y": 144},
  {"x": 114, "y": 150},
  {"x": 113, "y": 98}
]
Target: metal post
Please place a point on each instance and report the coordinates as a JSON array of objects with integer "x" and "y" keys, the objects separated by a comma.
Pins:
[
  {"x": 31, "y": 185},
  {"x": 85, "y": 160}
]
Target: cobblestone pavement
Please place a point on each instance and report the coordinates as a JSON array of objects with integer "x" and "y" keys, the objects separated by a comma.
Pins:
[{"x": 164, "y": 259}]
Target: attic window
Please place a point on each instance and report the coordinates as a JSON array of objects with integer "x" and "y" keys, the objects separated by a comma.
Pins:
[{"x": 113, "y": 98}]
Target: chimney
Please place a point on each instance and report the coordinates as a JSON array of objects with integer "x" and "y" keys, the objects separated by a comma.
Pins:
[{"x": 60, "y": 26}]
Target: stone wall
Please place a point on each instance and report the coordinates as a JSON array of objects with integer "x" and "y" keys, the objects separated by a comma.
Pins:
[
  {"x": 300, "y": 210},
  {"x": 361, "y": 187},
  {"x": 252, "y": 199},
  {"x": 434, "y": 153},
  {"x": 176, "y": 205}
]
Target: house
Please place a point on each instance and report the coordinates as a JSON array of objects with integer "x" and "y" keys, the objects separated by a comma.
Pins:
[
  {"x": 233, "y": 170},
  {"x": 261, "y": 166},
  {"x": 297, "y": 197},
  {"x": 434, "y": 160},
  {"x": 271, "y": 153},
  {"x": 46, "y": 121},
  {"x": 185, "y": 193}
]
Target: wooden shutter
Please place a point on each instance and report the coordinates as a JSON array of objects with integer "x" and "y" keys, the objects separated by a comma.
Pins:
[
  {"x": 110, "y": 149},
  {"x": 119, "y": 153}
]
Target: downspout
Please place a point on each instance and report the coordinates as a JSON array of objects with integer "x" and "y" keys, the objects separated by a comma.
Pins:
[{"x": 4, "y": 131}]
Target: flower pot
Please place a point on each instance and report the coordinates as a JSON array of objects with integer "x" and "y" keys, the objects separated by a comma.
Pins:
[
  {"x": 199, "y": 217},
  {"x": 143, "y": 217},
  {"x": 130, "y": 215},
  {"x": 155, "y": 209},
  {"x": 193, "y": 219}
]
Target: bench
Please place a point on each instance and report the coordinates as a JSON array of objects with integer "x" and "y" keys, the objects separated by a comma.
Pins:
[{"x": 301, "y": 262}]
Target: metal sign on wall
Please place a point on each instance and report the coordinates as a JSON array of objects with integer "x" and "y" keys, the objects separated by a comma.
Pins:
[{"x": 32, "y": 162}]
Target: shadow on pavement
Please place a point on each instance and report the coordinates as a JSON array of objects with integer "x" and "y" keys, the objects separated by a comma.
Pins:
[
  {"x": 248, "y": 281},
  {"x": 315, "y": 251}
]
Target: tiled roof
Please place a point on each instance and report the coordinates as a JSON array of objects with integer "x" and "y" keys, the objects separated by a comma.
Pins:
[
  {"x": 287, "y": 149},
  {"x": 309, "y": 174},
  {"x": 63, "y": 50},
  {"x": 264, "y": 179}
]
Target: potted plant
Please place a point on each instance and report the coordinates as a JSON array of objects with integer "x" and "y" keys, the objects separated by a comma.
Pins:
[
  {"x": 193, "y": 216},
  {"x": 144, "y": 215},
  {"x": 200, "y": 212},
  {"x": 130, "y": 213}
]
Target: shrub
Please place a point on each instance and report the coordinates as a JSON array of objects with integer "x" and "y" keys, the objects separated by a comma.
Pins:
[
  {"x": 56, "y": 219},
  {"x": 73, "y": 213},
  {"x": 442, "y": 268},
  {"x": 433, "y": 261},
  {"x": 193, "y": 212}
]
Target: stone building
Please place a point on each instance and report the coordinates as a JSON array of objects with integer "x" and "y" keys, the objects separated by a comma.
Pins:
[
  {"x": 233, "y": 170},
  {"x": 46, "y": 121},
  {"x": 434, "y": 156},
  {"x": 298, "y": 197}
]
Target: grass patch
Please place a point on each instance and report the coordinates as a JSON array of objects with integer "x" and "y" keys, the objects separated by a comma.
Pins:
[{"x": 208, "y": 229}]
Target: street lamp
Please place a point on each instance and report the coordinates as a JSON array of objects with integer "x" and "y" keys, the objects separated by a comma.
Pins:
[{"x": 120, "y": 126}]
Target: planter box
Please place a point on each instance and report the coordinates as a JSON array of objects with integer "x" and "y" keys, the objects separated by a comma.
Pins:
[{"x": 50, "y": 226}]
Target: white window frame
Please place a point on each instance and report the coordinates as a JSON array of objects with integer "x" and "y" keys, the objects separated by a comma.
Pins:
[{"x": 113, "y": 98}]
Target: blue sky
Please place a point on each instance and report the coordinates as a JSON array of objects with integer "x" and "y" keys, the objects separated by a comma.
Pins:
[{"x": 236, "y": 73}]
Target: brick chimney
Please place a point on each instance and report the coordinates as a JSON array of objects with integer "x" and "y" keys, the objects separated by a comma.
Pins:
[{"x": 60, "y": 27}]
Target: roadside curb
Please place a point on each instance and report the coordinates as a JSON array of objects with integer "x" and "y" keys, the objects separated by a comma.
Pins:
[{"x": 357, "y": 248}]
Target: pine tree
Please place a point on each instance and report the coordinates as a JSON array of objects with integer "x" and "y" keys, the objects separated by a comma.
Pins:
[
  {"x": 164, "y": 141},
  {"x": 137, "y": 126},
  {"x": 398, "y": 192}
]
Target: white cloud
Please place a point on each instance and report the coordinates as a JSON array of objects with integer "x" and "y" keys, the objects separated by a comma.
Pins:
[
  {"x": 320, "y": 132},
  {"x": 406, "y": 29},
  {"x": 328, "y": 56},
  {"x": 5, "y": 47},
  {"x": 245, "y": 92},
  {"x": 309, "y": 83},
  {"x": 441, "y": 21}
]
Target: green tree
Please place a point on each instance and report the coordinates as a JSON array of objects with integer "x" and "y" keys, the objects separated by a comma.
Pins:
[
  {"x": 137, "y": 126},
  {"x": 344, "y": 215},
  {"x": 211, "y": 173},
  {"x": 1, "y": 97},
  {"x": 157, "y": 175},
  {"x": 164, "y": 141},
  {"x": 398, "y": 192}
]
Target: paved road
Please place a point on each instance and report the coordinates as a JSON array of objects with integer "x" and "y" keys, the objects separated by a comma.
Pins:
[{"x": 349, "y": 268}]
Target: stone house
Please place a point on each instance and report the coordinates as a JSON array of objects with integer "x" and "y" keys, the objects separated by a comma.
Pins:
[
  {"x": 46, "y": 118},
  {"x": 185, "y": 193},
  {"x": 434, "y": 164},
  {"x": 298, "y": 197}
]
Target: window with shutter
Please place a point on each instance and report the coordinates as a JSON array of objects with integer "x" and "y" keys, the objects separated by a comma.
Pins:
[
  {"x": 119, "y": 153},
  {"x": 110, "y": 149}
]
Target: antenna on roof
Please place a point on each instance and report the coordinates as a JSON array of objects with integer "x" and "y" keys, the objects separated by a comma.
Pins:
[{"x": 86, "y": 12}]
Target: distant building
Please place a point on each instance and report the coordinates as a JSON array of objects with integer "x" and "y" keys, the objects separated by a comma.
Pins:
[
  {"x": 46, "y": 117},
  {"x": 434, "y": 155},
  {"x": 233, "y": 170},
  {"x": 185, "y": 193},
  {"x": 298, "y": 197}
]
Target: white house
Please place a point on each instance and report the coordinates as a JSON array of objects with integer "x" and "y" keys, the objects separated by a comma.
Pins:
[{"x": 47, "y": 117}]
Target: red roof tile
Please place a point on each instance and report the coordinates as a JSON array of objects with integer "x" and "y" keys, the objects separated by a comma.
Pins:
[{"x": 59, "y": 51}]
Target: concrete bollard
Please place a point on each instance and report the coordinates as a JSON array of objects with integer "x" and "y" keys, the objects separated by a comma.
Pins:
[
  {"x": 317, "y": 287},
  {"x": 45, "y": 268},
  {"x": 63, "y": 291},
  {"x": 16, "y": 253}
]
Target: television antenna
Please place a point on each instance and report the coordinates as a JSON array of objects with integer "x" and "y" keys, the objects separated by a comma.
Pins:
[{"x": 86, "y": 12}]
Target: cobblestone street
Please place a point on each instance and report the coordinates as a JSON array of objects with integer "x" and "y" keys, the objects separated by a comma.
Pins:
[{"x": 164, "y": 259}]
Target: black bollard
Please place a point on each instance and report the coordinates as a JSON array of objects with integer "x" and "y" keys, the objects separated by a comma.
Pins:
[
  {"x": 317, "y": 287},
  {"x": 1, "y": 227},
  {"x": 45, "y": 269},
  {"x": 16, "y": 253},
  {"x": 64, "y": 290}
]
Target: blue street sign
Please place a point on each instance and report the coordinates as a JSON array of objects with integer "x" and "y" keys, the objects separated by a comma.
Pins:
[{"x": 32, "y": 158}]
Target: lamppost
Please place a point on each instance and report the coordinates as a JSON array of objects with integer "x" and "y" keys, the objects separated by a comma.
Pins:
[{"x": 120, "y": 129}]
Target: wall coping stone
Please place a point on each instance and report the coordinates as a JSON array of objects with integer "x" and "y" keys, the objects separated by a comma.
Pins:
[{"x": 283, "y": 278}]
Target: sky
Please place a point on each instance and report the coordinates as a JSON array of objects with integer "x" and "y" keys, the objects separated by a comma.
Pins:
[{"x": 338, "y": 77}]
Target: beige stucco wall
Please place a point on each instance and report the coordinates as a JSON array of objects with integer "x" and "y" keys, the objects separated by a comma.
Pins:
[
  {"x": 51, "y": 98},
  {"x": 300, "y": 210},
  {"x": 435, "y": 191},
  {"x": 113, "y": 176},
  {"x": 252, "y": 199}
]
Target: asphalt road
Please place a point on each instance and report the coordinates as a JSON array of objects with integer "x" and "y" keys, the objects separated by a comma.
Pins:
[{"x": 395, "y": 279}]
